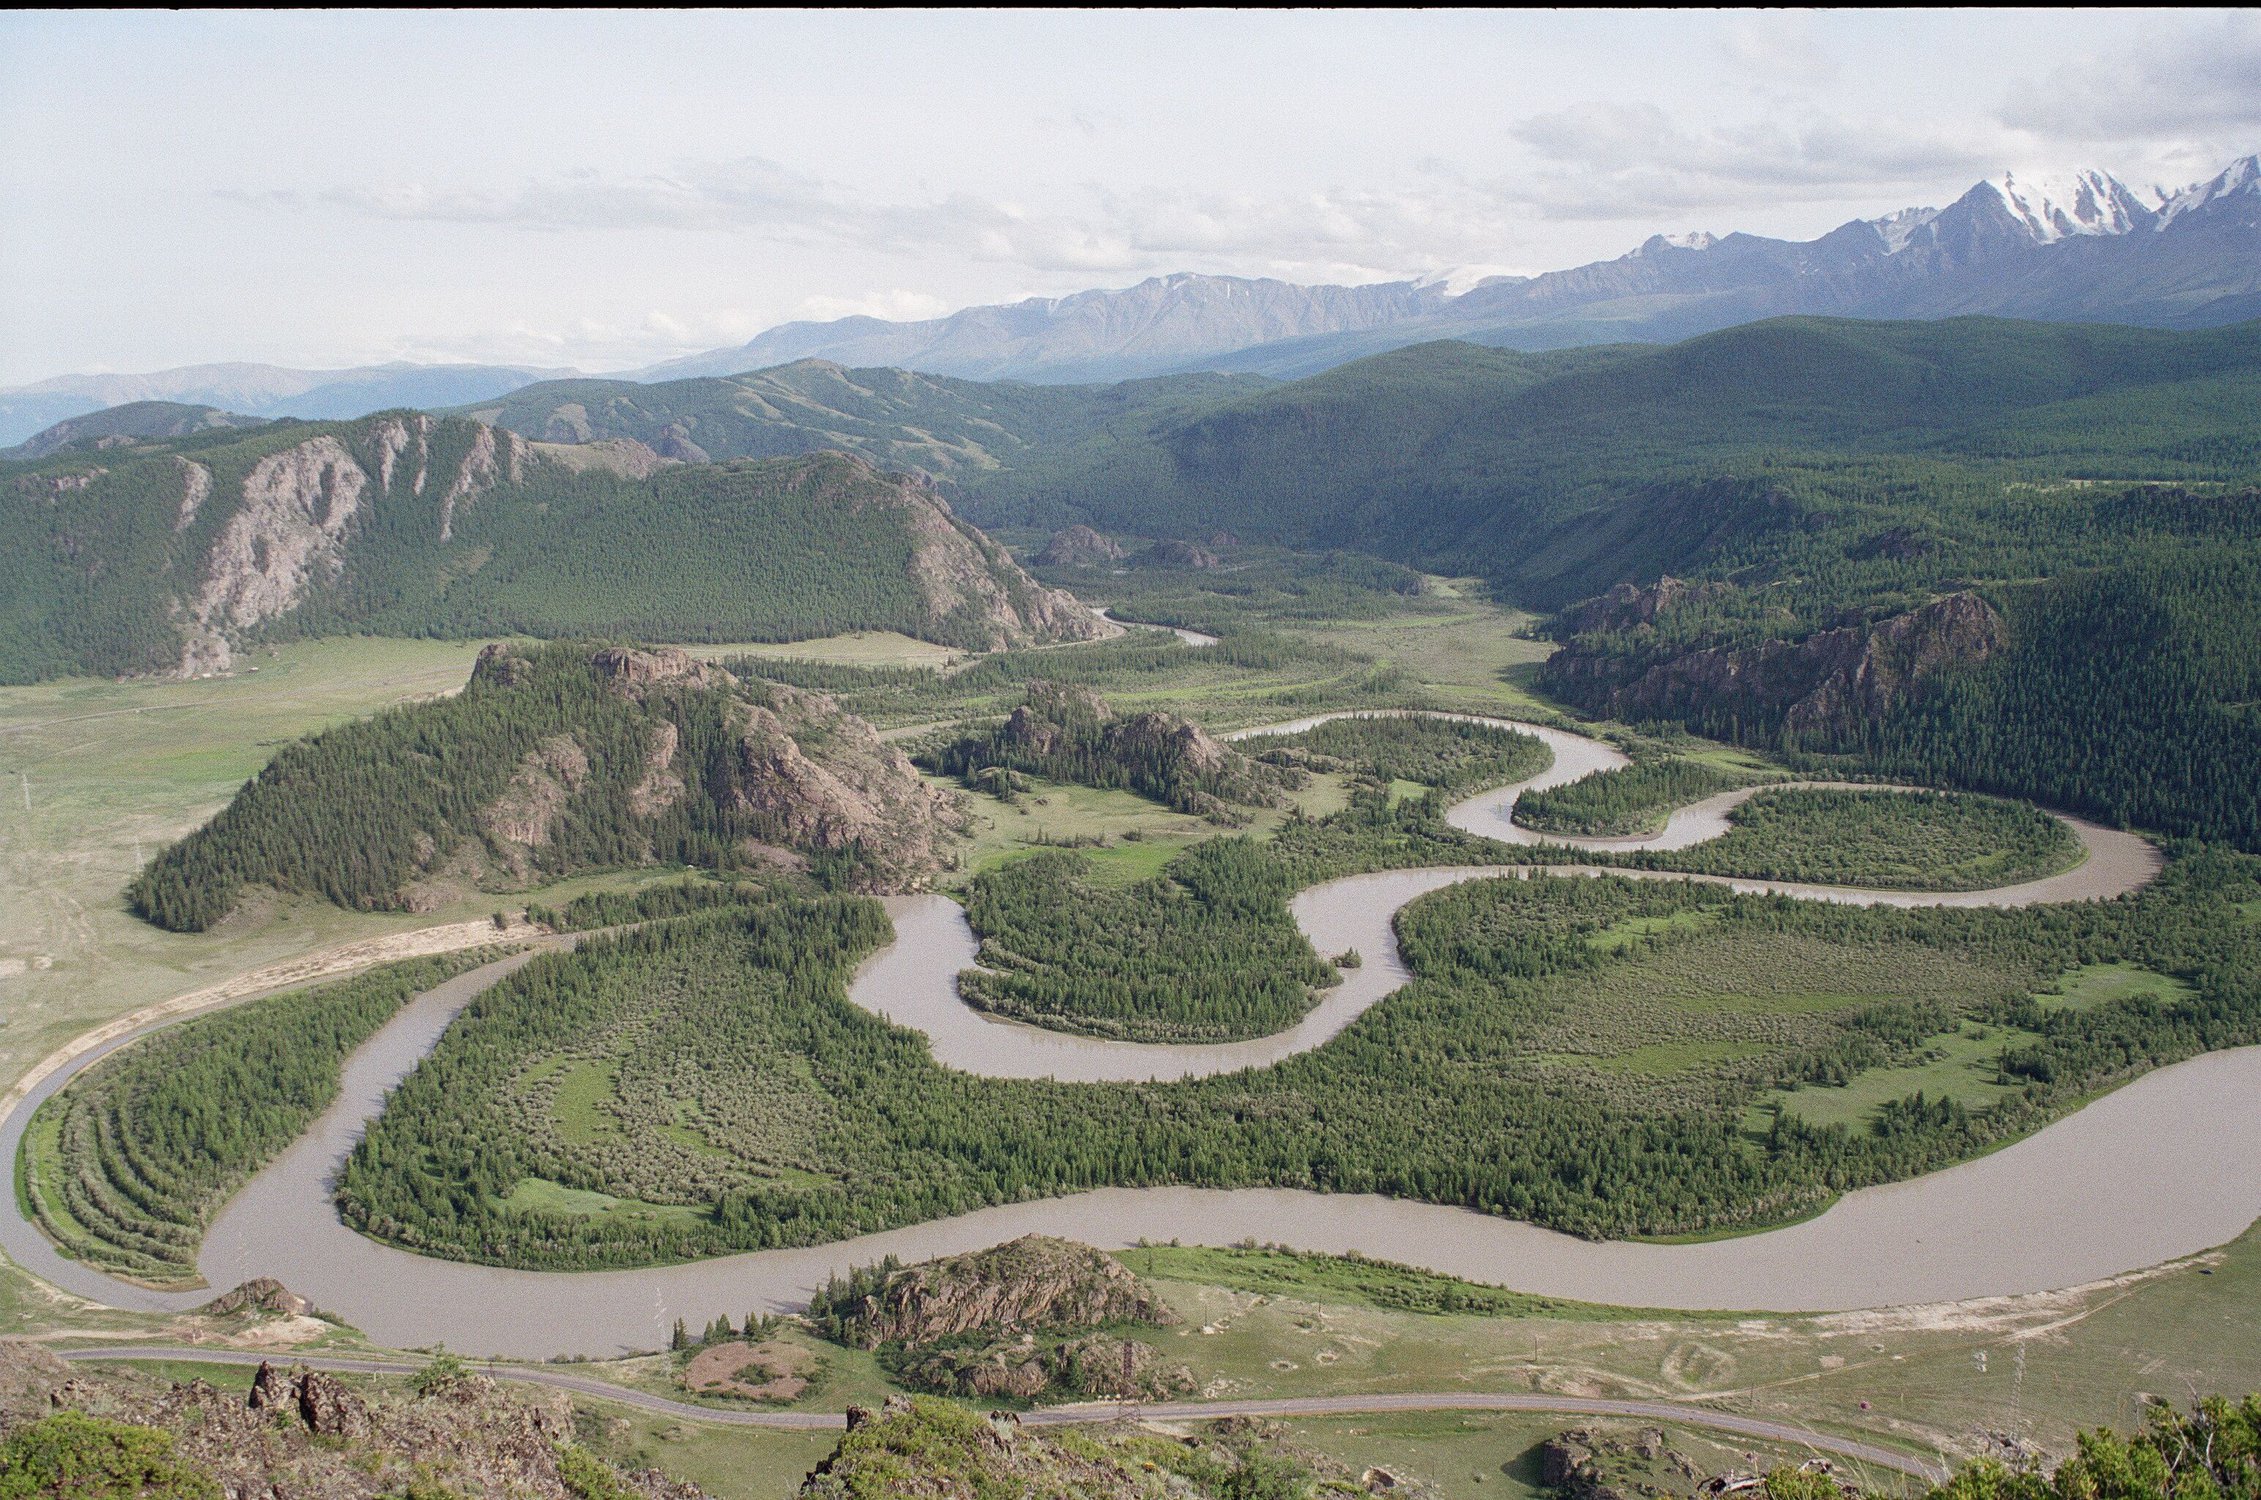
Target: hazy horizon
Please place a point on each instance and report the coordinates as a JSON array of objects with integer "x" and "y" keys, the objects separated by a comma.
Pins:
[{"x": 603, "y": 191}]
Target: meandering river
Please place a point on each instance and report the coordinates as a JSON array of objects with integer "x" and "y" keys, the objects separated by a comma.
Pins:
[{"x": 2168, "y": 1165}]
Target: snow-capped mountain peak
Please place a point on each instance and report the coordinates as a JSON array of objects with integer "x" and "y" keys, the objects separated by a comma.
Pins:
[
  {"x": 1694, "y": 239},
  {"x": 1454, "y": 281},
  {"x": 2242, "y": 176},
  {"x": 1898, "y": 228},
  {"x": 2054, "y": 207}
]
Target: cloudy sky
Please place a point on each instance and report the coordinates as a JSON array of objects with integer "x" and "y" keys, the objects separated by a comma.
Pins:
[{"x": 603, "y": 190}]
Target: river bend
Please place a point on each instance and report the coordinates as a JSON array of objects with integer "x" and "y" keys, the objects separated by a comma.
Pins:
[{"x": 2169, "y": 1165}]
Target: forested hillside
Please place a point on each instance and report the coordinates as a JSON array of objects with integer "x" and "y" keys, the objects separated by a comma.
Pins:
[
  {"x": 2010, "y": 556},
  {"x": 556, "y": 759},
  {"x": 173, "y": 555},
  {"x": 1563, "y": 473},
  {"x": 2127, "y": 692},
  {"x": 1555, "y": 1030}
]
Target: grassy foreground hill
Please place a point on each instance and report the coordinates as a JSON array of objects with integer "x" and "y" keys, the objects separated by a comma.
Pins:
[{"x": 174, "y": 554}]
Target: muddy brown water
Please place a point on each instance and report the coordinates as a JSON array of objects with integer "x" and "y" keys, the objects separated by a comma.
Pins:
[{"x": 2168, "y": 1165}]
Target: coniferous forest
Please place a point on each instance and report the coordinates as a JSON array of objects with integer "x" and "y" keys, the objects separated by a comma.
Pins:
[{"x": 1555, "y": 1059}]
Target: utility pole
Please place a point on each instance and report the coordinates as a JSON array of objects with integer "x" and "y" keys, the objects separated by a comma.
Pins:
[{"x": 1129, "y": 1409}]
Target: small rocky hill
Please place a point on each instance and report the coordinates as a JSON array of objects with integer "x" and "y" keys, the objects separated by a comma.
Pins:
[
  {"x": 1079, "y": 547},
  {"x": 155, "y": 545},
  {"x": 1070, "y": 733},
  {"x": 556, "y": 759},
  {"x": 1035, "y": 1282},
  {"x": 299, "y": 1433}
]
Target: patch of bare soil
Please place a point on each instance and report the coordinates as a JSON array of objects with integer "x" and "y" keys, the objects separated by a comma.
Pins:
[{"x": 768, "y": 1371}]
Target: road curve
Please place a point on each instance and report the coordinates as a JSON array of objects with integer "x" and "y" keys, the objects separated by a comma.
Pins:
[{"x": 1676, "y": 1412}]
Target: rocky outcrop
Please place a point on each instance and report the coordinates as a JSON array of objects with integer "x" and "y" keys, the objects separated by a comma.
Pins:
[
  {"x": 1612, "y": 1463},
  {"x": 1035, "y": 1282},
  {"x": 660, "y": 788},
  {"x": 524, "y": 818},
  {"x": 922, "y": 1446},
  {"x": 1069, "y": 733},
  {"x": 971, "y": 584},
  {"x": 196, "y": 488},
  {"x": 1823, "y": 690},
  {"x": 260, "y": 1294},
  {"x": 805, "y": 774},
  {"x": 857, "y": 793},
  {"x": 1155, "y": 735},
  {"x": 1079, "y": 547},
  {"x": 308, "y": 1434},
  {"x": 1096, "y": 1364},
  {"x": 635, "y": 672},
  {"x": 286, "y": 536},
  {"x": 496, "y": 456},
  {"x": 1627, "y": 607},
  {"x": 559, "y": 759},
  {"x": 320, "y": 1400},
  {"x": 1171, "y": 553}
]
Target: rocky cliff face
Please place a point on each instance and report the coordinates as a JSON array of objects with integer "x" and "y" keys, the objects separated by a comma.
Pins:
[
  {"x": 412, "y": 524},
  {"x": 826, "y": 781},
  {"x": 286, "y": 536},
  {"x": 968, "y": 580},
  {"x": 1628, "y": 607},
  {"x": 1822, "y": 691},
  {"x": 291, "y": 524},
  {"x": 290, "y": 534}
]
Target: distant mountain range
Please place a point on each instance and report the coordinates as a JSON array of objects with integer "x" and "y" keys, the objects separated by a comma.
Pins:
[
  {"x": 2084, "y": 247},
  {"x": 262, "y": 391},
  {"x": 2081, "y": 248}
]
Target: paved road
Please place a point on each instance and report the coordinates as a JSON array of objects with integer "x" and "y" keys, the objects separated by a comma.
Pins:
[{"x": 1675, "y": 1412}]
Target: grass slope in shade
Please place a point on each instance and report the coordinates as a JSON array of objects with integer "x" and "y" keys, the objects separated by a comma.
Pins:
[
  {"x": 1931, "y": 841},
  {"x": 1534, "y": 1054},
  {"x": 1204, "y": 952},
  {"x": 126, "y": 1166}
]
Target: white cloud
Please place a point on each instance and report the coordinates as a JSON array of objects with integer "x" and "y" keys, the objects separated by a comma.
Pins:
[
  {"x": 1627, "y": 160},
  {"x": 2203, "y": 83},
  {"x": 1358, "y": 233}
]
